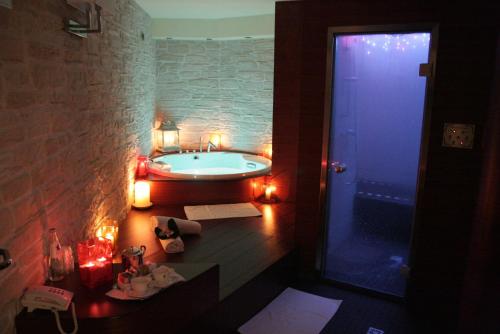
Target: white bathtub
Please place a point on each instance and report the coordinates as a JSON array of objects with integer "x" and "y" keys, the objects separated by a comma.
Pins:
[{"x": 210, "y": 166}]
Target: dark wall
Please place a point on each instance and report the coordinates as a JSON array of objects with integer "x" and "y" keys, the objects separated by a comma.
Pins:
[
  {"x": 286, "y": 101},
  {"x": 481, "y": 292},
  {"x": 464, "y": 69}
]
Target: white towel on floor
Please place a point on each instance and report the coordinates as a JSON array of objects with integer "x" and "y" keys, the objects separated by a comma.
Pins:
[
  {"x": 173, "y": 245},
  {"x": 218, "y": 211}
]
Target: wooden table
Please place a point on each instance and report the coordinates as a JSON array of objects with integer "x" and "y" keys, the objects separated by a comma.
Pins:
[{"x": 166, "y": 312}]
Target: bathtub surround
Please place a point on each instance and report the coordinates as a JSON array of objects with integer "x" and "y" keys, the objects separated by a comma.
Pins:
[
  {"x": 74, "y": 114},
  {"x": 221, "y": 87}
]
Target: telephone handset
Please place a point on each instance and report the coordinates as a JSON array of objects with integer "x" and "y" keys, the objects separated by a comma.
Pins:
[
  {"x": 46, "y": 298},
  {"x": 50, "y": 298}
]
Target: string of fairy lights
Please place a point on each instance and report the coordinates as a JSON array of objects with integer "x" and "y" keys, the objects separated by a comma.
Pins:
[{"x": 397, "y": 42}]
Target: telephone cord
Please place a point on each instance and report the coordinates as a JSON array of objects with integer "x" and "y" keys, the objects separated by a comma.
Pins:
[{"x": 75, "y": 320}]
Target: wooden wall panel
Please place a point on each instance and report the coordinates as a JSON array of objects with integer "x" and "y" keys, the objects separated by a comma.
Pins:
[
  {"x": 481, "y": 292},
  {"x": 467, "y": 38}
]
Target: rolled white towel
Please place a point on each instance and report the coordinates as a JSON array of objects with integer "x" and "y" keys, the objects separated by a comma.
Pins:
[
  {"x": 184, "y": 226},
  {"x": 173, "y": 245}
]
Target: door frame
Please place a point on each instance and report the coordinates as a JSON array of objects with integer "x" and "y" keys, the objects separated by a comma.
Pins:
[{"x": 433, "y": 29}]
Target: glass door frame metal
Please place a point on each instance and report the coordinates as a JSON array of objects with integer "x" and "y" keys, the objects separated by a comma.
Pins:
[{"x": 431, "y": 28}]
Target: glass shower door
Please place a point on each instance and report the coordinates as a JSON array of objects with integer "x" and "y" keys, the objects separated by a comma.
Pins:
[{"x": 374, "y": 148}]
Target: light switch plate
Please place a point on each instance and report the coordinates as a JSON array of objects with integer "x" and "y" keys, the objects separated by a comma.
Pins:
[
  {"x": 6, "y": 3},
  {"x": 458, "y": 135}
]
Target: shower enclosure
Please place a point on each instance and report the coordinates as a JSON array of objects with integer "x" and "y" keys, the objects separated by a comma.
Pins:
[{"x": 376, "y": 101}]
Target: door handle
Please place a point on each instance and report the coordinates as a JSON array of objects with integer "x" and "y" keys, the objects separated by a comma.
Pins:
[
  {"x": 5, "y": 258},
  {"x": 338, "y": 167}
]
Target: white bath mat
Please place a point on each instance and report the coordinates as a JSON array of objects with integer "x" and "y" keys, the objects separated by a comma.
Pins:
[
  {"x": 293, "y": 312},
  {"x": 200, "y": 212}
]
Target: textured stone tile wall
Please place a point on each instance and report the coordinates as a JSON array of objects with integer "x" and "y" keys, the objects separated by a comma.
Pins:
[
  {"x": 217, "y": 87},
  {"x": 73, "y": 115}
]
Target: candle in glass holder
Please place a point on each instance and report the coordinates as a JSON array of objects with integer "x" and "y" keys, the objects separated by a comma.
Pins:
[
  {"x": 141, "y": 195},
  {"x": 142, "y": 166},
  {"x": 95, "y": 257},
  {"x": 109, "y": 231},
  {"x": 269, "y": 192},
  {"x": 268, "y": 151}
]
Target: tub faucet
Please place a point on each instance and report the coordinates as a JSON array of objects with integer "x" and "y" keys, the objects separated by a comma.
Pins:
[{"x": 210, "y": 145}]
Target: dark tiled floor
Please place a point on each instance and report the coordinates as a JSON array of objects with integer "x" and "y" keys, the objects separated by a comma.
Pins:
[
  {"x": 372, "y": 254},
  {"x": 359, "y": 312},
  {"x": 369, "y": 262}
]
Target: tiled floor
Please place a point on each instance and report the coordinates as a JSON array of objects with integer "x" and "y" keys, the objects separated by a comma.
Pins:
[
  {"x": 359, "y": 312},
  {"x": 369, "y": 262},
  {"x": 375, "y": 249},
  {"x": 356, "y": 315}
]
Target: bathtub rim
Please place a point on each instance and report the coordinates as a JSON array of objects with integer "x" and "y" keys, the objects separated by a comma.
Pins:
[{"x": 207, "y": 177}]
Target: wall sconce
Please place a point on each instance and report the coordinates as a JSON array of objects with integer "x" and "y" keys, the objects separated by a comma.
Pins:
[
  {"x": 93, "y": 25},
  {"x": 167, "y": 137},
  {"x": 142, "y": 195}
]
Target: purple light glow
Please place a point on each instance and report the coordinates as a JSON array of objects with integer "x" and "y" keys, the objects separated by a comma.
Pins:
[{"x": 387, "y": 42}]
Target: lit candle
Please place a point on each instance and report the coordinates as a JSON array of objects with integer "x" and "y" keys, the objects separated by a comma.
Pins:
[
  {"x": 108, "y": 231},
  {"x": 141, "y": 195},
  {"x": 110, "y": 237},
  {"x": 95, "y": 262},
  {"x": 142, "y": 166},
  {"x": 268, "y": 151},
  {"x": 269, "y": 192}
]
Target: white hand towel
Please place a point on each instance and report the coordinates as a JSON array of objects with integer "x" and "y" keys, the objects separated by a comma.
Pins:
[
  {"x": 173, "y": 245},
  {"x": 184, "y": 226}
]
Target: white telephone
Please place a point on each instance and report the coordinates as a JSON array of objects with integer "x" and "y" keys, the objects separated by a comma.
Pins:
[
  {"x": 46, "y": 298},
  {"x": 50, "y": 298}
]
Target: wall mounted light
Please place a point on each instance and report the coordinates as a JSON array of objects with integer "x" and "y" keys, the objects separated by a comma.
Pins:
[
  {"x": 142, "y": 195},
  {"x": 167, "y": 137}
]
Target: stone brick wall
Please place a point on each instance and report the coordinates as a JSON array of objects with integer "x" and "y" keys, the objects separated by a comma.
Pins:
[
  {"x": 221, "y": 87},
  {"x": 73, "y": 115}
]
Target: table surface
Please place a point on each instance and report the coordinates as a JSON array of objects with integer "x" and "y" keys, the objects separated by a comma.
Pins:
[
  {"x": 93, "y": 303},
  {"x": 242, "y": 247}
]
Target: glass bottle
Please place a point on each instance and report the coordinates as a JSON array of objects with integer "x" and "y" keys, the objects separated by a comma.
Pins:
[{"x": 56, "y": 257}]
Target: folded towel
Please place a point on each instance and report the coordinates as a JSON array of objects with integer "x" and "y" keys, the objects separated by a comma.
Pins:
[
  {"x": 159, "y": 168},
  {"x": 173, "y": 227},
  {"x": 173, "y": 245}
]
